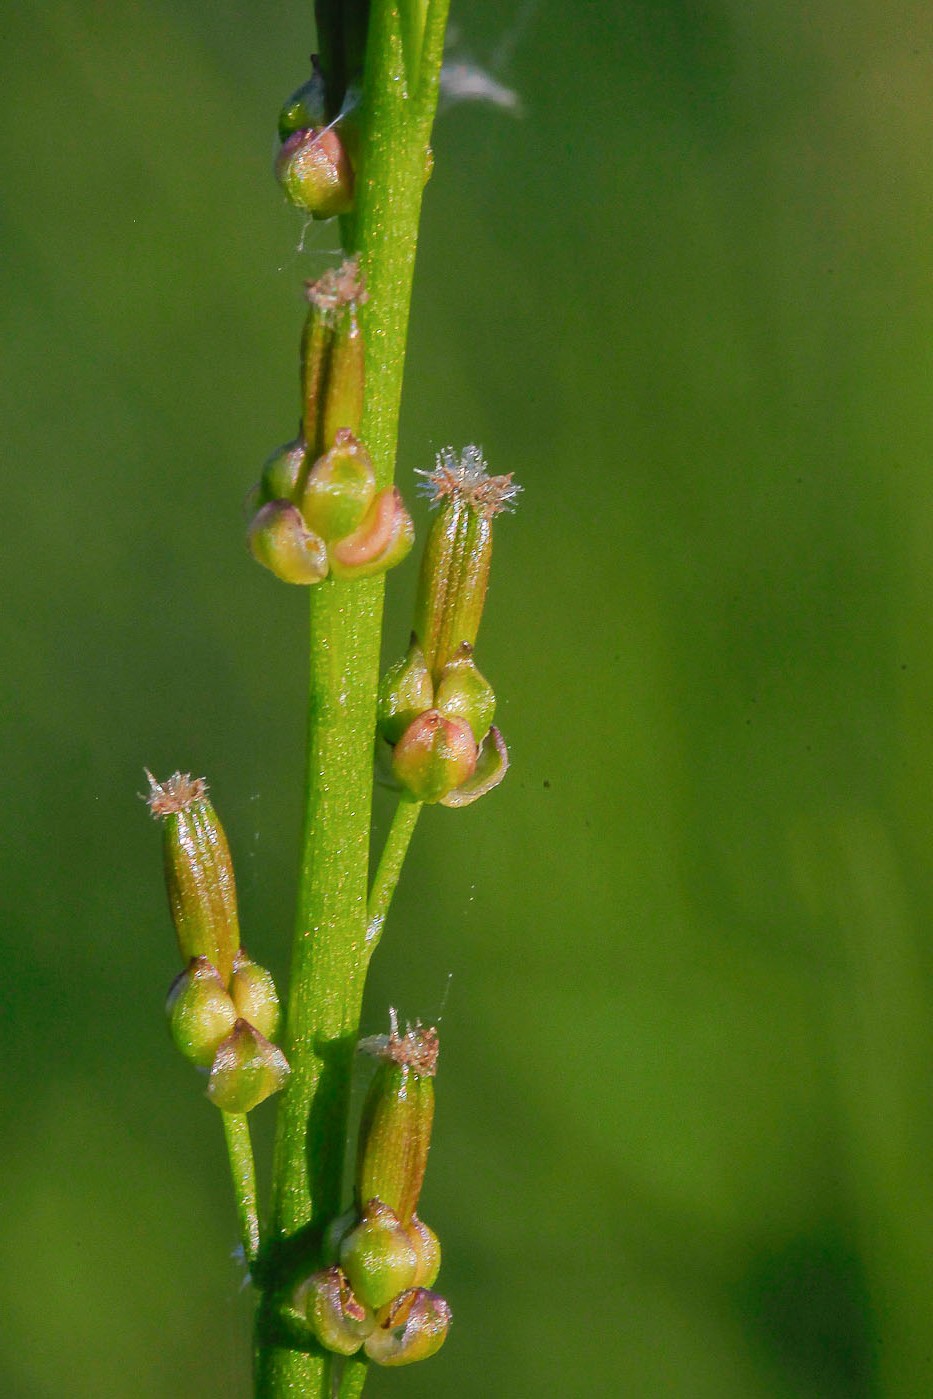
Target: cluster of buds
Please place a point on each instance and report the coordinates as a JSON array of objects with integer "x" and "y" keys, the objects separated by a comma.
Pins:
[
  {"x": 381, "y": 1261},
  {"x": 223, "y": 1009},
  {"x": 435, "y": 707},
  {"x": 319, "y": 510},
  {"x": 313, "y": 163}
]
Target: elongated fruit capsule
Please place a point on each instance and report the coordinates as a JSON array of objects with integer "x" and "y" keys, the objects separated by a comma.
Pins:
[
  {"x": 198, "y": 871},
  {"x": 395, "y": 1127}
]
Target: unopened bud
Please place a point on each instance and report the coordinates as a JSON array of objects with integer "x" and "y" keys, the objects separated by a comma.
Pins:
[
  {"x": 463, "y": 693},
  {"x": 491, "y": 766},
  {"x": 306, "y": 106},
  {"x": 457, "y": 554},
  {"x": 397, "y": 1117},
  {"x": 378, "y": 1257},
  {"x": 200, "y": 1012},
  {"x": 247, "y": 1069},
  {"x": 282, "y": 472},
  {"x": 198, "y": 871},
  {"x": 414, "y": 1328},
  {"x": 405, "y": 693},
  {"x": 314, "y": 170},
  {"x": 337, "y": 1318},
  {"x": 428, "y": 1248},
  {"x": 383, "y": 539},
  {"x": 254, "y": 995},
  {"x": 339, "y": 489},
  {"x": 279, "y": 540},
  {"x": 332, "y": 358},
  {"x": 434, "y": 756}
]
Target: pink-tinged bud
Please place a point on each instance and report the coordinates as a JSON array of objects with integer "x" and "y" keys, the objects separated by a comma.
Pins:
[
  {"x": 339, "y": 489},
  {"x": 491, "y": 766},
  {"x": 463, "y": 693},
  {"x": 314, "y": 170},
  {"x": 455, "y": 567},
  {"x": 434, "y": 756},
  {"x": 428, "y": 1248},
  {"x": 200, "y": 1012},
  {"x": 378, "y": 1257},
  {"x": 337, "y": 1318},
  {"x": 413, "y": 1328},
  {"x": 405, "y": 693},
  {"x": 332, "y": 357},
  {"x": 383, "y": 539},
  {"x": 306, "y": 106},
  {"x": 198, "y": 871},
  {"x": 279, "y": 541},
  {"x": 397, "y": 1117},
  {"x": 283, "y": 472},
  {"x": 247, "y": 1069},
  {"x": 254, "y": 996}
]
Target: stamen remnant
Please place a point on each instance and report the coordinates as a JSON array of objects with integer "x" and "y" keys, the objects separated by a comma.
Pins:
[
  {"x": 177, "y": 793},
  {"x": 465, "y": 476}
]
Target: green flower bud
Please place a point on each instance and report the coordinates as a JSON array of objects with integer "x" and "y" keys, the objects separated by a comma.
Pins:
[
  {"x": 279, "y": 541},
  {"x": 491, "y": 766},
  {"x": 383, "y": 539},
  {"x": 455, "y": 566},
  {"x": 247, "y": 1069},
  {"x": 428, "y": 1248},
  {"x": 283, "y": 471},
  {"x": 434, "y": 756},
  {"x": 200, "y": 1012},
  {"x": 339, "y": 490},
  {"x": 198, "y": 871},
  {"x": 378, "y": 1257},
  {"x": 254, "y": 996},
  {"x": 405, "y": 693},
  {"x": 397, "y": 1117},
  {"x": 314, "y": 170},
  {"x": 463, "y": 693},
  {"x": 414, "y": 1327},
  {"x": 336, "y": 1317},
  {"x": 332, "y": 358},
  {"x": 306, "y": 106}
]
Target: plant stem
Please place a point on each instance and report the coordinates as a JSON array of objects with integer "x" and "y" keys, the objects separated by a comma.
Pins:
[
  {"x": 330, "y": 953},
  {"x": 354, "y": 1375},
  {"x": 243, "y": 1171},
  {"x": 393, "y": 855}
]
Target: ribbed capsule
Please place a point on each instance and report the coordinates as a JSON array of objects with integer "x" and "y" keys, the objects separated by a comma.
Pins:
[
  {"x": 332, "y": 357},
  {"x": 395, "y": 1127},
  {"x": 198, "y": 871}
]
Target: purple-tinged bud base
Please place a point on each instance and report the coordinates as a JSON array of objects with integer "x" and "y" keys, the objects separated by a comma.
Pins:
[
  {"x": 434, "y": 756},
  {"x": 414, "y": 1327},
  {"x": 279, "y": 541},
  {"x": 314, "y": 170}
]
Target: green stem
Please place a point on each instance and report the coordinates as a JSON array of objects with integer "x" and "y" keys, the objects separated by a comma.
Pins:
[
  {"x": 353, "y": 1378},
  {"x": 390, "y": 867},
  {"x": 331, "y": 953},
  {"x": 243, "y": 1171}
]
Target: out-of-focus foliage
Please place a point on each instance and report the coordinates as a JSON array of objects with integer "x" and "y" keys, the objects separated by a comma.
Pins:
[{"x": 684, "y": 1138}]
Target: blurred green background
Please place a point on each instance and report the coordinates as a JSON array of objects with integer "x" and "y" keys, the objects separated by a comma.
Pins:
[{"x": 684, "y": 1131}]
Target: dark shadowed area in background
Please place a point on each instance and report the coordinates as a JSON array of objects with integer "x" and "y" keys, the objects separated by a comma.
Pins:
[{"x": 682, "y": 955}]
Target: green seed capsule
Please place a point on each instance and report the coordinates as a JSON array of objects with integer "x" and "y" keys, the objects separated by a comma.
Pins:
[
  {"x": 337, "y": 1318},
  {"x": 198, "y": 871},
  {"x": 405, "y": 693},
  {"x": 314, "y": 170},
  {"x": 383, "y": 539},
  {"x": 254, "y": 996},
  {"x": 397, "y": 1117},
  {"x": 279, "y": 540},
  {"x": 434, "y": 756},
  {"x": 414, "y": 1327},
  {"x": 200, "y": 1012},
  {"x": 339, "y": 489},
  {"x": 463, "y": 693},
  {"x": 378, "y": 1256},
  {"x": 283, "y": 472},
  {"x": 306, "y": 106},
  {"x": 247, "y": 1069}
]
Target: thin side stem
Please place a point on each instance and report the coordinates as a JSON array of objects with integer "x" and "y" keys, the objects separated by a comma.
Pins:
[
  {"x": 393, "y": 855},
  {"x": 354, "y": 1375},
  {"x": 243, "y": 1171}
]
